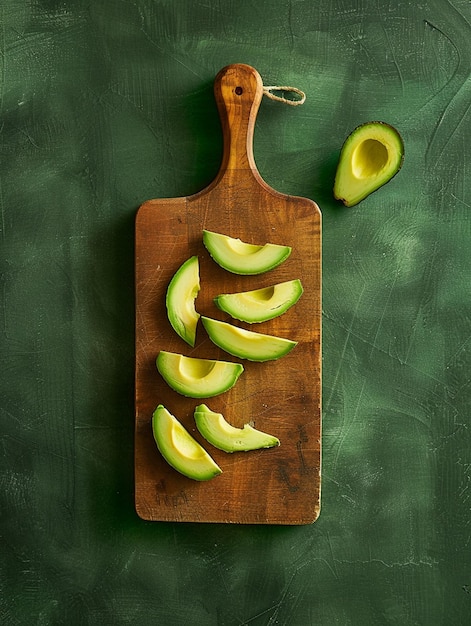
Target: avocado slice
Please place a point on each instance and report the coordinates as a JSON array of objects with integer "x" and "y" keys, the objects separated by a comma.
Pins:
[
  {"x": 222, "y": 435},
  {"x": 180, "y": 301},
  {"x": 261, "y": 305},
  {"x": 246, "y": 344},
  {"x": 197, "y": 378},
  {"x": 243, "y": 258},
  {"x": 371, "y": 155},
  {"x": 180, "y": 449}
]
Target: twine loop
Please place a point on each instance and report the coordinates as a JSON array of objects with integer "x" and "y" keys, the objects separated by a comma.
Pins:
[{"x": 268, "y": 91}]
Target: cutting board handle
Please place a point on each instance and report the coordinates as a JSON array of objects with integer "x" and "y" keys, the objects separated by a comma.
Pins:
[{"x": 238, "y": 90}]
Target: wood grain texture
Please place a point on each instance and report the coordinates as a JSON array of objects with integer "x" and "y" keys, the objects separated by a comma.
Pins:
[{"x": 276, "y": 486}]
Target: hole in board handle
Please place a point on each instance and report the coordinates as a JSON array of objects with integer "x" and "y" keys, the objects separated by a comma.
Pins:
[{"x": 239, "y": 91}]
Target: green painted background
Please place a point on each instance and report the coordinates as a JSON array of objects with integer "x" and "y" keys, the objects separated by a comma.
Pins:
[{"x": 105, "y": 104}]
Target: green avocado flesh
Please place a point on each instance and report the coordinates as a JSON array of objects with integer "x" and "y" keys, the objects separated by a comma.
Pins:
[
  {"x": 180, "y": 449},
  {"x": 222, "y": 435},
  {"x": 243, "y": 258},
  {"x": 180, "y": 300},
  {"x": 197, "y": 378},
  {"x": 246, "y": 344},
  {"x": 263, "y": 304},
  {"x": 370, "y": 157}
]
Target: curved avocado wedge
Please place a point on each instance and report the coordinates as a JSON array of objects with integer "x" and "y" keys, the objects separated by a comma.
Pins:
[
  {"x": 261, "y": 305},
  {"x": 243, "y": 258},
  {"x": 246, "y": 344},
  {"x": 222, "y": 435},
  {"x": 197, "y": 378},
  {"x": 180, "y": 301},
  {"x": 371, "y": 155},
  {"x": 180, "y": 449}
]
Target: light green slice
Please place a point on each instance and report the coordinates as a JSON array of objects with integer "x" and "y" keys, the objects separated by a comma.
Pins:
[
  {"x": 246, "y": 344},
  {"x": 180, "y": 449},
  {"x": 261, "y": 305},
  {"x": 243, "y": 258},
  {"x": 181, "y": 294},
  {"x": 215, "y": 429},
  {"x": 197, "y": 378}
]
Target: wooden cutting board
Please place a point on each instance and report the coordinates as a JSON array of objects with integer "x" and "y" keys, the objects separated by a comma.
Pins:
[{"x": 272, "y": 486}]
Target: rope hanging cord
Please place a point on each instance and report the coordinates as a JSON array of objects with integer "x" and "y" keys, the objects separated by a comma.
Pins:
[{"x": 268, "y": 91}]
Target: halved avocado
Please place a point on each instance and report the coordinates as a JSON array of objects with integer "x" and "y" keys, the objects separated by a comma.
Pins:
[
  {"x": 180, "y": 300},
  {"x": 371, "y": 155},
  {"x": 180, "y": 449},
  {"x": 222, "y": 435},
  {"x": 246, "y": 344},
  {"x": 197, "y": 378},
  {"x": 244, "y": 258},
  {"x": 263, "y": 304}
]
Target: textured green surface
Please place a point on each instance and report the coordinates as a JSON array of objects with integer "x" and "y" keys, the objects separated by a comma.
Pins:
[{"x": 106, "y": 104}]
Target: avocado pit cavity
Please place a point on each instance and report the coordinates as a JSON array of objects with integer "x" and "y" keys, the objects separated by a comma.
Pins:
[{"x": 369, "y": 158}]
